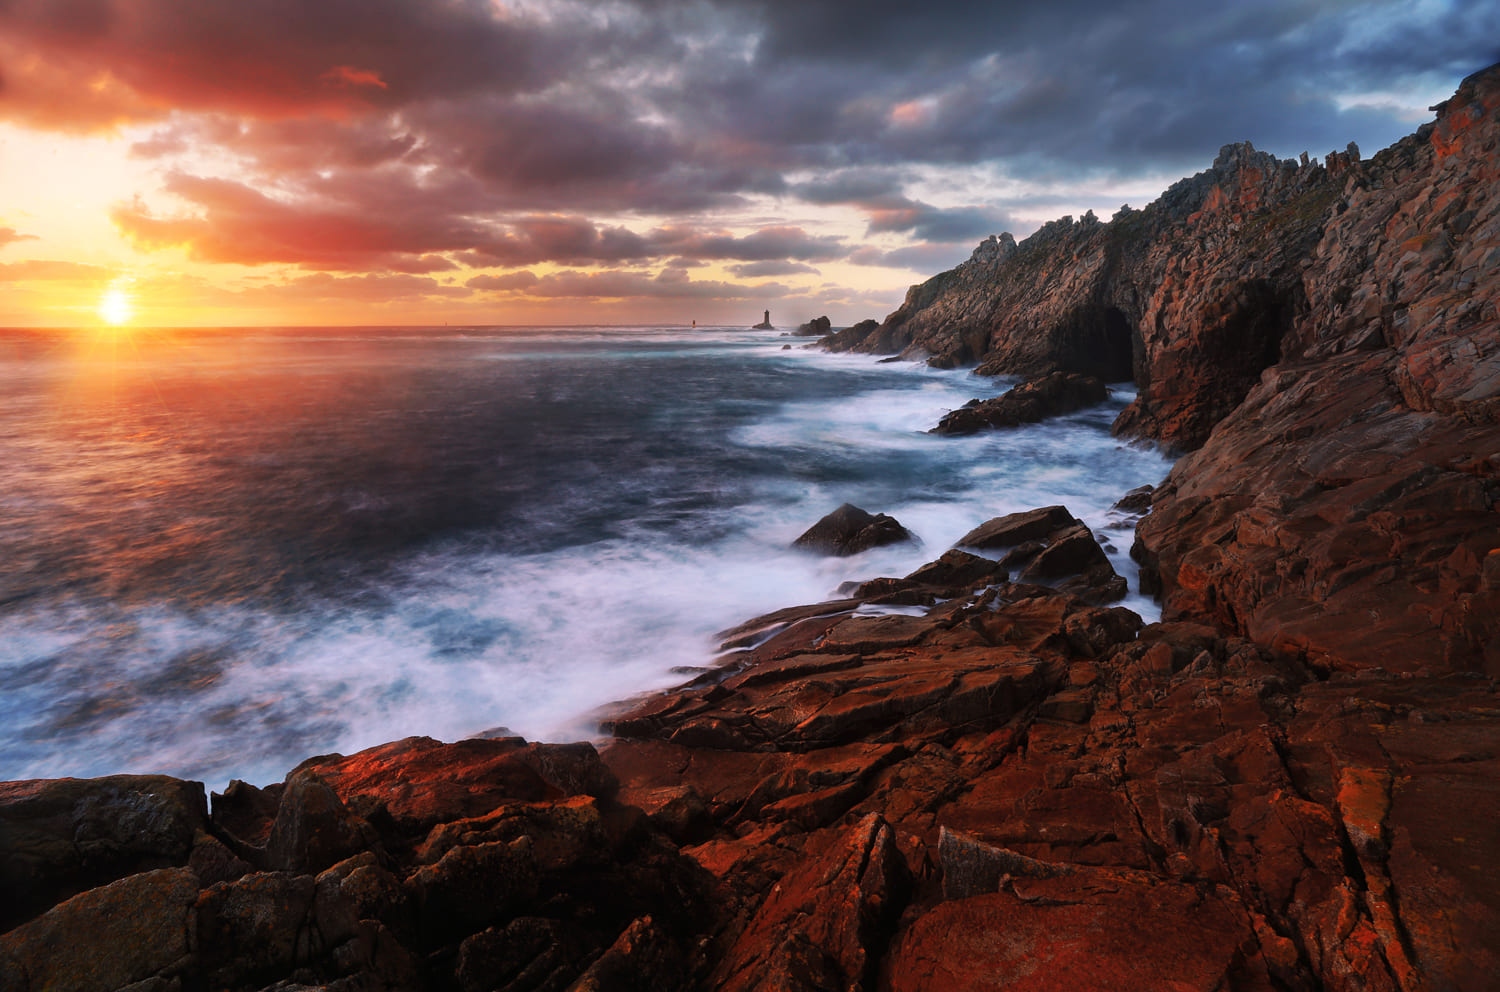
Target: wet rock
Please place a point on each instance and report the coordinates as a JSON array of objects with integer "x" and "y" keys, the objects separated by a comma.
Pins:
[
  {"x": 1027, "y": 403},
  {"x": 850, "y": 530},
  {"x": 1018, "y": 528},
  {"x": 1138, "y": 500},
  {"x": 1050, "y": 546},
  {"x": 958, "y": 570}
]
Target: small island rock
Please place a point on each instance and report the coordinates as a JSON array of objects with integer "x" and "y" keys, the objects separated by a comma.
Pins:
[{"x": 850, "y": 530}]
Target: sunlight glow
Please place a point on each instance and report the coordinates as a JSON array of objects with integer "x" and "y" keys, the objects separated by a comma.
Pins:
[{"x": 115, "y": 307}]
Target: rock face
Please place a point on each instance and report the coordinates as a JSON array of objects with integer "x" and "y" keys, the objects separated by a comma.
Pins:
[
  {"x": 815, "y": 328},
  {"x": 1252, "y": 262},
  {"x": 1347, "y": 508},
  {"x": 850, "y": 530},
  {"x": 486, "y": 864},
  {"x": 1050, "y": 396},
  {"x": 974, "y": 776}
]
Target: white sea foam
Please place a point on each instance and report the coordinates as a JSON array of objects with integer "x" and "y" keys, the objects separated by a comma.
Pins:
[{"x": 461, "y": 636}]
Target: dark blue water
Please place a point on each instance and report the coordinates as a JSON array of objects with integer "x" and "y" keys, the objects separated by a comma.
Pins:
[{"x": 224, "y": 551}]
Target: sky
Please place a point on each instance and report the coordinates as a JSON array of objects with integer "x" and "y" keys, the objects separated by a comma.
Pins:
[{"x": 372, "y": 162}]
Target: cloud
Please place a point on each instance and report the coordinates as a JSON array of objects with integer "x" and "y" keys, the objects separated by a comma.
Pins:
[
  {"x": 236, "y": 223},
  {"x": 407, "y": 137},
  {"x": 86, "y": 64},
  {"x": 388, "y": 222},
  {"x": 50, "y": 270},
  {"x": 509, "y": 282},
  {"x": 627, "y": 284},
  {"x": 324, "y": 286},
  {"x": 751, "y": 270},
  {"x": 775, "y": 243},
  {"x": 9, "y": 235},
  {"x": 926, "y": 258}
]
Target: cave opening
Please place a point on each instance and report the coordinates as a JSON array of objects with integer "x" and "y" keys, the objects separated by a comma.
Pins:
[{"x": 1117, "y": 357}]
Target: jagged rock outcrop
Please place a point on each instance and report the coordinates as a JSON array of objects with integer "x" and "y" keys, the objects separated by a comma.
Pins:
[
  {"x": 1348, "y": 508},
  {"x": 1254, "y": 261},
  {"x": 485, "y": 864},
  {"x": 815, "y": 328},
  {"x": 1027, "y": 403}
]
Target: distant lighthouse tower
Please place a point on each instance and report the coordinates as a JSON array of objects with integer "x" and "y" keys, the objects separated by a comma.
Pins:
[{"x": 764, "y": 325}]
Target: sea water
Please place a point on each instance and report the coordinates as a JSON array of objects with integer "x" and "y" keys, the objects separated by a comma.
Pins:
[{"x": 223, "y": 551}]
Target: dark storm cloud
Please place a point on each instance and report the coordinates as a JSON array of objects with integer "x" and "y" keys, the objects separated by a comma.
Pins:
[
  {"x": 82, "y": 63},
  {"x": 1082, "y": 85},
  {"x": 384, "y": 135},
  {"x": 931, "y": 223}
]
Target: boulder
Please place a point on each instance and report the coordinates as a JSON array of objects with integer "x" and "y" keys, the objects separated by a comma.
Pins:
[
  {"x": 1050, "y": 546},
  {"x": 1018, "y": 528},
  {"x": 106, "y": 938},
  {"x": 815, "y": 328},
  {"x": 1030, "y": 402},
  {"x": 61, "y": 836},
  {"x": 850, "y": 530}
]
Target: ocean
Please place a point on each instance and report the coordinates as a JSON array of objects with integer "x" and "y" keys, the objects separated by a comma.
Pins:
[{"x": 224, "y": 551}]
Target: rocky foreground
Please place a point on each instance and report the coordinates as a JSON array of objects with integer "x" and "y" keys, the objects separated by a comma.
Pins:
[{"x": 981, "y": 775}]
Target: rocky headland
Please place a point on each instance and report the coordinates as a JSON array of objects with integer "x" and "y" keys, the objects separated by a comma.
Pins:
[{"x": 981, "y": 775}]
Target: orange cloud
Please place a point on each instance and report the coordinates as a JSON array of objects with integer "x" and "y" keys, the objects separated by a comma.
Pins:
[
  {"x": 9, "y": 235},
  {"x": 50, "y": 270},
  {"x": 348, "y": 75}
]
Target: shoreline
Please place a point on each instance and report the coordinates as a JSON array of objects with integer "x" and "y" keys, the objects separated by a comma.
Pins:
[{"x": 1290, "y": 782}]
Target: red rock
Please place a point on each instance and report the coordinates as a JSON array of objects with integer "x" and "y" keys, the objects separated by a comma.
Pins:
[
  {"x": 529, "y": 951},
  {"x": 759, "y": 628},
  {"x": 313, "y": 830},
  {"x": 1103, "y": 930},
  {"x": 472, "y": 887},
  {"x": 825, "y": 924},
  {"x": 420, "y": 782}
]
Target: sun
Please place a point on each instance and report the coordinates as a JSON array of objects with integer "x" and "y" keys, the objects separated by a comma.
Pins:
[{"x": 115, "y": 307}]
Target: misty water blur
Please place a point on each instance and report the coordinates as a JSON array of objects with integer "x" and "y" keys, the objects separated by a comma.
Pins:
[{"x": 225, "y": 551}]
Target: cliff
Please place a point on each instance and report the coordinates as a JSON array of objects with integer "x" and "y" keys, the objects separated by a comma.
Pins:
[
  {"x": 1288, "y": 784},
  {"x": 1252, "y": 262}
]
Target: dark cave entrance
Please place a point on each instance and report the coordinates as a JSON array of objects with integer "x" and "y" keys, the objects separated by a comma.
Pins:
[{"x": 1117, "y": 358}]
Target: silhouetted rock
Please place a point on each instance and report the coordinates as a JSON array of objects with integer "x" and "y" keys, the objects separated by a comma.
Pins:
[
  {"x": 850, "y": 530},
  {"x": 815, "y": 328}
]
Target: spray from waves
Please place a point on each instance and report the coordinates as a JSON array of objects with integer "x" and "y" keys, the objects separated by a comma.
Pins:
[{"x": 472, "y": 633}]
